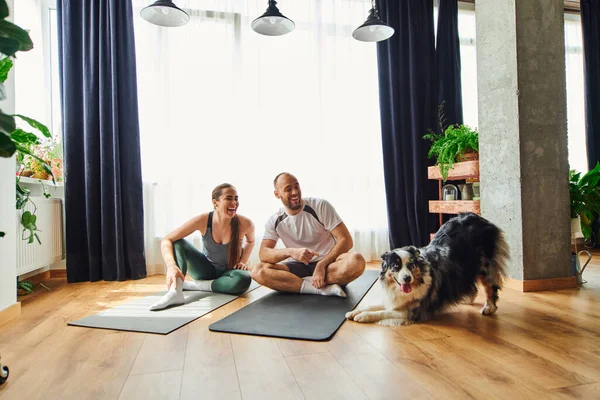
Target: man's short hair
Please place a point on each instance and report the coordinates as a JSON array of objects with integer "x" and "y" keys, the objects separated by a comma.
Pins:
[{"x": 277, "y": 178}]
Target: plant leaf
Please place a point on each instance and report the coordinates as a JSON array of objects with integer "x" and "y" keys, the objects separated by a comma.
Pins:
[
  {"x": 22, "y": 189},
  {"x": 5, "y": 66},
  {"x": 8, "y": 46},
  {"x": 35, "y": 124},
  {"x": 25, "y": 286},
  {"x": 7, "y": 147},
  {"x": 26, "y": 218},
  {"x": 7, "y": 123},
  {"x": 592, "y": 177},
  {"x": 23, "y": 137},
  {"x": 2, "y": 234},
  {"x": 3, "y": 9},
  {"x": 8, "y": 30}
]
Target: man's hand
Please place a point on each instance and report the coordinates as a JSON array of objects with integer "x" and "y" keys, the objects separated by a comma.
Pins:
[
  {"x": 242, "y": 266},
  {"x": 318, "y": 277},
  {"x": 173, "y": 272},
  {"x": 303, "y": 255}
]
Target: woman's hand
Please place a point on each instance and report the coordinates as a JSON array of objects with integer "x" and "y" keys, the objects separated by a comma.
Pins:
[
  {"x": 173, "y": 273},
  {"x": 242, "y": 266}
]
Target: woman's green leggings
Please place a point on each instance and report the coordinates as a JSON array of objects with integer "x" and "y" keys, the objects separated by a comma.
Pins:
[{"x": 191, "y": 260}]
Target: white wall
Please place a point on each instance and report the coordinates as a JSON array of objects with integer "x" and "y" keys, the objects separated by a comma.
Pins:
[{"x": 8, "y": 219}]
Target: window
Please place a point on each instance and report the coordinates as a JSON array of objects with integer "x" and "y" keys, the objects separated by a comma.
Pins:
[
  {"x": 220, "y": 103},
  {"x": 575, "y": 93},
  {"x": 468, "y": 56},
  {"x": 36, "y": 71},
  {"x": 574, "y": 74}
]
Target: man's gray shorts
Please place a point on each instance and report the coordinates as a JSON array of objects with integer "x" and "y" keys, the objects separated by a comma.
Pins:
[{"x": 300, "y": 269}]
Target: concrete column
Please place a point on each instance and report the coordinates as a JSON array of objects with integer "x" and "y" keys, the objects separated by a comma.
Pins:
[{"x": 523, "y": 132}]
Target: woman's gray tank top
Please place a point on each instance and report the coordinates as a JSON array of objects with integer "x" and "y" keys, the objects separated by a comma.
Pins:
[{"x": 216, "y": 253}]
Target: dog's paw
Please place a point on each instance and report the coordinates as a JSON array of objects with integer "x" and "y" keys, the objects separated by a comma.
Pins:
[
  {"x": 392, "y": 322},
  {"x": 488, "y": 309},
  {"x": 364, "y": 317},
  {"x": 351, "y": 314}
]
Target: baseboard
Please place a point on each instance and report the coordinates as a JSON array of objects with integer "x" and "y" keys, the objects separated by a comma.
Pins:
[
  {"x": 37, "y": 278},
  {"x": 45, "y": 275},
  {"x": 58, "y": 273},
  {"x": 537, "y": 285},
  {"x": 10, "y": 313}
]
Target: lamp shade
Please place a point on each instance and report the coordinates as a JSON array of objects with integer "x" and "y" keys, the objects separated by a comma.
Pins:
[
  {"x": 272, "y": 22},
  {"x": 373, "y": 30},
  {"x": 165, "y": 13}
]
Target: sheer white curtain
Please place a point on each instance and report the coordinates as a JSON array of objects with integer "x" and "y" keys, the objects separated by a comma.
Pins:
[
  {"x": 468, "y": 59},
  {"x": 35, "y": 79},
  {"x": 575, "y": 93},
  {"x": 220, "y": 103}
]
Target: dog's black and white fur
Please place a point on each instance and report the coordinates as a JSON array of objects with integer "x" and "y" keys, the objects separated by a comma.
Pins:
[{"x": 418, "y": 283}]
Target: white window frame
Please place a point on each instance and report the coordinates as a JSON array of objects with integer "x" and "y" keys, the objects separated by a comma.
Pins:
[{"x": 46, "y": 7}]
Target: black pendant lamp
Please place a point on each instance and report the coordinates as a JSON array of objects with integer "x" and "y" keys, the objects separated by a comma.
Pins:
[
  {"x": 272, "y": 22},
  {"x": 165, "y": 13},
  {"x": 374, "y": 29}
]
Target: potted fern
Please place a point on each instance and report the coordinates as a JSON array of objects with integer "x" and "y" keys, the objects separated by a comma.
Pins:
[
  {"x": 455, "y": 143},
  {"x": 585, "y": 200}
]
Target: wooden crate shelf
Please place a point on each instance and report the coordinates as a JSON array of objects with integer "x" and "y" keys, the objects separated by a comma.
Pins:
[
  {"x": 461, "y": 170},
  {"x": 454, "y": 207}
]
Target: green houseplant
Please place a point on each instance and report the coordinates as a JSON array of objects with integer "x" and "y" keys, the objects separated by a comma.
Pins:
[
  {"x": 584, "y": 193},
  {"x": 452, "y": 145}
]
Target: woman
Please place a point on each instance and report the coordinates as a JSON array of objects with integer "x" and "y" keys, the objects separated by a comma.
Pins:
[{"x": 222, "y": 267}]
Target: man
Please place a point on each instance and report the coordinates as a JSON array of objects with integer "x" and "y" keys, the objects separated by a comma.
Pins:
[{"x": 316, "y": 258}]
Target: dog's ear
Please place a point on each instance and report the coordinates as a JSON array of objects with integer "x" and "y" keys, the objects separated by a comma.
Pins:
[{"x": 385, "y": 258}]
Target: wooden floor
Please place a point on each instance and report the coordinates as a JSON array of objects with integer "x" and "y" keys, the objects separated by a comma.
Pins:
[{"x": 539, "y": 345}]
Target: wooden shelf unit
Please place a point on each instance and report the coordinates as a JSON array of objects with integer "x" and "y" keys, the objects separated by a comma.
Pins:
[
  {"x": 454, "y": 207},
  {"x": 461, "y": 170},
  {"x": 466, "y": 170}
]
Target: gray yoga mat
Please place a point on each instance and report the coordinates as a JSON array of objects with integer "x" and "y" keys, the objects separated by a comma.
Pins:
[
  {"x": 136, "y": 317},
  {"x": 297, "y": 316}
]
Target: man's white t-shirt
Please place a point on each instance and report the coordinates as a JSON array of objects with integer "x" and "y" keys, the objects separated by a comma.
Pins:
[{"x": 310, "y": 228}]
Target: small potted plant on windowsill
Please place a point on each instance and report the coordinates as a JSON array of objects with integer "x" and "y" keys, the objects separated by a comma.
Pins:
[{"x": 456, "y": 143}]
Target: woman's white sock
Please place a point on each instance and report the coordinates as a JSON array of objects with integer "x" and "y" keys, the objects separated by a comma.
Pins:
[
  {"x": 173, "y": 297},
  {"x": 328, "y": 290},
  {"x": 199, "y": 285}
]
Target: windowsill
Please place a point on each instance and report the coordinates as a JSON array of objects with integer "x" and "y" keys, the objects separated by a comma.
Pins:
[{"x": 33, "y": 181}]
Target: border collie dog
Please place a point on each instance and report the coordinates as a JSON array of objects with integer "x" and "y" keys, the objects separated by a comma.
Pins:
[{"x": 418, "y": 283}]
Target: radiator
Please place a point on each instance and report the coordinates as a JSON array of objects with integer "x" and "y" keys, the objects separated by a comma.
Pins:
[{"x": 31, "y": 256}]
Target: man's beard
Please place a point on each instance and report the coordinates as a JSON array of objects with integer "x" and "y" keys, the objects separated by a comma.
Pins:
[{"x": 294, "y": 207}]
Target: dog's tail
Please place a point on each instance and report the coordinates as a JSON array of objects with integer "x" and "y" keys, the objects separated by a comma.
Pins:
[{"x": 500, "y": 255}]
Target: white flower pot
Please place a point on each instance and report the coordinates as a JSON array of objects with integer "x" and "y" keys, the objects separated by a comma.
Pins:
[{"x": 576, "y": 228}]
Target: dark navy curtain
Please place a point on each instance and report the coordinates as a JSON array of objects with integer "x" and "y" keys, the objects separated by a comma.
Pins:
[
  {"x": 447, "y": 60},
  {"x": 590, "y": 26},
  {"x": 103, "y": 182},
  {"x": 406, "y": 64}
]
